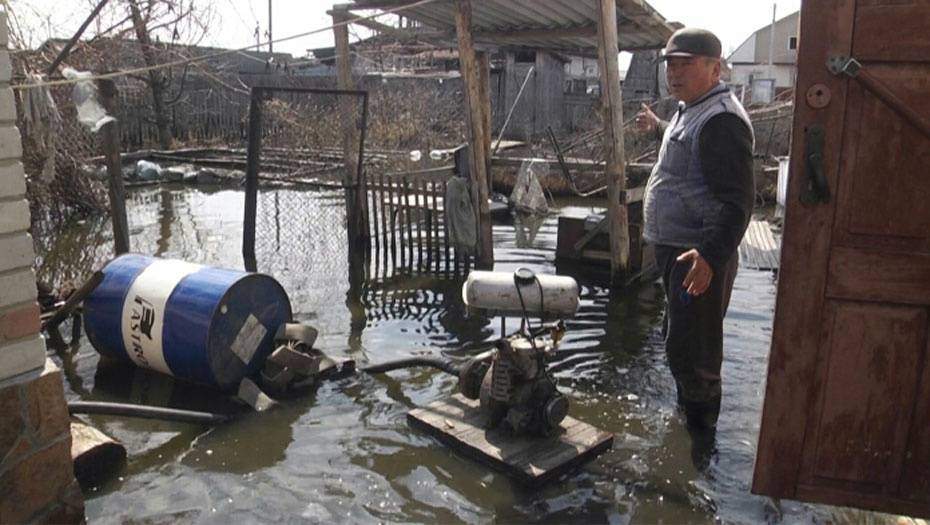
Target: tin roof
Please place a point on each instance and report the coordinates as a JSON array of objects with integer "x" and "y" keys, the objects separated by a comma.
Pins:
[{"x": 558, "y": 25}]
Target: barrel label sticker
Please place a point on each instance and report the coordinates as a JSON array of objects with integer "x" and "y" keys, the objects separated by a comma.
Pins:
[
  {"x": 248, "y": 339},
  {"x": 144, "y": 311}
]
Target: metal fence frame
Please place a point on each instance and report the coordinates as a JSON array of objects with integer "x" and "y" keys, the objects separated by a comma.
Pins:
[{"x": 257, "y": 96}]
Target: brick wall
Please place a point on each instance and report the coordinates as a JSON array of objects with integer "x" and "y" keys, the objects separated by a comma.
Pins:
[{"x": 36, "y": 473}]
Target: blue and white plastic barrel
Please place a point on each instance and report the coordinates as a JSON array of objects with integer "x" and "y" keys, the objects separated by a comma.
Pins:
[{"x": 202, "y": 324}]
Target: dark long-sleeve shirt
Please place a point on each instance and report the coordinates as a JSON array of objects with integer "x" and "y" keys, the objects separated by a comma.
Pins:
[{"x": 726, "y": 159}]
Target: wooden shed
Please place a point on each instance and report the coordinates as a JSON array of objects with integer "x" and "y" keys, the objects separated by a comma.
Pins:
[{"x": 576, "y": 27}]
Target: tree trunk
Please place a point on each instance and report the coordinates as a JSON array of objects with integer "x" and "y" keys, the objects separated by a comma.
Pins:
[{"x": 155, "y": 82}]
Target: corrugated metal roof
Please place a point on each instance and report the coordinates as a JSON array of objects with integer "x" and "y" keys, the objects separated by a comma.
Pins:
[{"x": 562, "y": 25}]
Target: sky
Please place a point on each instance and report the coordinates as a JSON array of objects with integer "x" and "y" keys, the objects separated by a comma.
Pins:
[{"x": 232, "y": 22}]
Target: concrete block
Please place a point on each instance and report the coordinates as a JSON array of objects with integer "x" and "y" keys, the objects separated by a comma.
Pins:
[
  {"x": 46, "y": 407},
  {"x": 70, "y": 508},
  {"x": 14, "y": 216},
  {"x": 7, "y": 105},
  {"x": 37, "y": 483},
  {"x": 6, "y": 67},
  {"x": 10, "y": 142},
  {"x": 12, "y": 180},
  {"x": 11, "y": 421},
  {"x": 16, "y": 252},
  {"x": 19, "y": 322},
  {"x": 21, "y": 357},
  {"x": 18, "y": 287}
]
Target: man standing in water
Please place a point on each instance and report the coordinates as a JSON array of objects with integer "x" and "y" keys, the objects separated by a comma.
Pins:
[{"x": 697, "y": 206}]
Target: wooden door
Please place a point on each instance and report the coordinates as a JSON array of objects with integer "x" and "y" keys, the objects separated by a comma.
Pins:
[{"x": 846, "y": 419}]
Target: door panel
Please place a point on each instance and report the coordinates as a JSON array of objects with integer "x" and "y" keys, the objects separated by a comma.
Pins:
[
  {"x": 885, "y": 162},
  {"x": 892, "y": 30},
  {"x": 870, "y": 373},
  {"x": 860, "y": 274},
  {"x": 846, "y": 418}
]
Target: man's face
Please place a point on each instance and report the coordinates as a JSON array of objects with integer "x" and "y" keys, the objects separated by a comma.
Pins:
[{"x": 691, "y": 77}]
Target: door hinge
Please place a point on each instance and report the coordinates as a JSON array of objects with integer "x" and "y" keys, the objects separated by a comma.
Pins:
[{"x": 852, "y": 68}]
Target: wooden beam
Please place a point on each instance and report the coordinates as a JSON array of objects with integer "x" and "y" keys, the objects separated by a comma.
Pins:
[
  {"x": 484, "y": 91},
  {"x": 587, "y": 30},
  {"x": 357, "y": 201},
  {"x": 475, "y": 120},
  {"x": 611, "y": 100}
]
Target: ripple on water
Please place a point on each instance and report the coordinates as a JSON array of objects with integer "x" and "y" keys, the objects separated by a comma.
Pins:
[{"x": 345, "y": 453}]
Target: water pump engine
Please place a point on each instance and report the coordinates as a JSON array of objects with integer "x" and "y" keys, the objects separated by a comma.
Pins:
[{"x": 512, "y": 381}]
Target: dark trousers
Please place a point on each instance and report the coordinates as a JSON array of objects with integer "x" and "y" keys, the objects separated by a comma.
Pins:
[{"x": 694, "y": 334}]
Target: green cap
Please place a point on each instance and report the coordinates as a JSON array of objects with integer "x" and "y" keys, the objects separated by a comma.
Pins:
[{"x": 689, "y": 42}]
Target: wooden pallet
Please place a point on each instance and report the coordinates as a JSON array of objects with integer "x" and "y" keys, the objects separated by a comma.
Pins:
[
  {"x": 459, "y": 423},
  {"x": 759, "y": 248}
]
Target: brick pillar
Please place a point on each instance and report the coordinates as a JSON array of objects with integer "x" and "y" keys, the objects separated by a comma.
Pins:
[{"x": 36, "y": 473}]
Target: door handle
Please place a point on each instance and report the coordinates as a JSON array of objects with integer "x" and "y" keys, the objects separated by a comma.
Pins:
[{"x": 816, "y": 187}]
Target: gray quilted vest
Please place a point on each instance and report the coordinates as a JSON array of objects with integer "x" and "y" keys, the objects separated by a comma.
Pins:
[{"x": 678, "y": 205}]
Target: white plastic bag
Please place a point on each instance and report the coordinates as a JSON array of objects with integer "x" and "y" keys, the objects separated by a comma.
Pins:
[
  {"x": 90, "y": 112},
  {"x": 527, "y": 195}
]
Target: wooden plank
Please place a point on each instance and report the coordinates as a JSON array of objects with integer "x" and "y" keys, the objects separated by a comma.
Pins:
[
  {"x": 420, "y": 208},
  {"x": 397, "y": 233},
  {"x": 382, "y": 203},
  {"x": 373, "y": 207},
  {"x": 445, "y": 234},
  {"x": 459, "y": 423},
  {"x": 434, "y": 209},
  {"x": 427, "y": 222},
  {"x": 611, "y": 99},
  {"x": 408, "y": 214},
  {"x": 476, "y": 140}
]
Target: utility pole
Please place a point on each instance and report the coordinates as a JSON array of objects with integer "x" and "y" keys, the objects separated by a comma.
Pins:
[
  {"x": 771, "y": 35},
  {"x": 270, "y": 38}
]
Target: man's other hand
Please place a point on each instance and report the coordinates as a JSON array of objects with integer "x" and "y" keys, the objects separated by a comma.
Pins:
[
  {"x": 646, "y": 121},
  {"x": 699, "y": 276}
]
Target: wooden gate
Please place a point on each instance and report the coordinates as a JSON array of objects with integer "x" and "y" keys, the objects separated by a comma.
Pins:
[{"x": 847, "y": 409}]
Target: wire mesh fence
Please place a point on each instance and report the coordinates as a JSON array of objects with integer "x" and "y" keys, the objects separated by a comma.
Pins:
[{"x": 301, "y": 216}]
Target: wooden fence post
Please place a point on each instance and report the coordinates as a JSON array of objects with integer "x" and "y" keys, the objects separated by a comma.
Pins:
[
  {"x": 476, "y": 131},
  {"x": 110, "y": 136},
  {"x": 617, "y": 220},
  {"x": 251, "y": 179},
  {"x": 357, "y": 197}
]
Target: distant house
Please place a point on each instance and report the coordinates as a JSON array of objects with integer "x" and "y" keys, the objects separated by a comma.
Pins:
[{"x": 761, "y": 74}]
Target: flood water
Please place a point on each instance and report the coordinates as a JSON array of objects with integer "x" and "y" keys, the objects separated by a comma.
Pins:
[{"x": 346, "y": 454}]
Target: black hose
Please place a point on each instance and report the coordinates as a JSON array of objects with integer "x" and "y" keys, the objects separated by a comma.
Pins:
[
  {"x": 147, "y": 412},
  {"x": 441, "y": 364}
]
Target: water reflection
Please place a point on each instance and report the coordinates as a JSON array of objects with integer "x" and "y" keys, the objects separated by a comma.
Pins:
[{"x": 345, "y": 453}]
